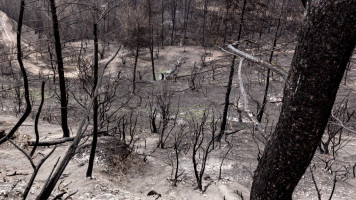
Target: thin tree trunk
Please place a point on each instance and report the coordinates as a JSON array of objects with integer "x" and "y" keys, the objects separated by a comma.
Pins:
[
  {"x": 204, "y": 22},
  {"x": 151, "y": 38},
  {"x": 152, "y": 61},
  {"x": 263, "y": 106},
  {"x": 227, "y": 100},
  {"x": 52, "y": 65},
  {"x": 37, "y": 119},
  {"x": 241, "y": 20},
  {"x": 96, "y": 104},
  {"x": 162, "y": 23},
  {"x": 62, "y": 84},
  {"x": 135, "y": 68},
  {"x": 186, "y": 18},
  {"x": 174, "y": 10},
  {"x": 228, "y": 90},
  {"x": 228, "y": 4},
  {"x": 24, "y": 75},
  {"x": 326, "y": 42}
]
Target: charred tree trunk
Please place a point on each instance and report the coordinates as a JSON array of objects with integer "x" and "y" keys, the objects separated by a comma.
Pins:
[
  {"x": 227, "y": 100},
  {"x": 62, "y": 84},
  {"x": 151, "y": 38},
  {"x": 152, "y": 61},
  {"x": 37, "y": 119},
  {"x": 174, "y": 10},
  {"x": 135, "y": 68},
  {"x": 326, "y": 42},
  {"x": 204, "y": 22},
  {"x": 162, "y": 23},
  {"x": 95, "y": 103},
  {"x": 228, "y": 5},
  {"x": 186, "y": 18},
  {"x": 24, "y": 75},
  {"x": 228, "y": 91},
  {"x": 242, "y": 19}
]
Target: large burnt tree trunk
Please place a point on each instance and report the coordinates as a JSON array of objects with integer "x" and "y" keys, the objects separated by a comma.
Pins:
[
  {"x": 326, "y": 42},
  {"x": 62, "y": 83}
]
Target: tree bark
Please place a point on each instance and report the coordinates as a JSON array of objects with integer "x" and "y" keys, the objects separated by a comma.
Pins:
[
  {"x": 62, "y": 83},
  {"x": 326, "y": 42}
]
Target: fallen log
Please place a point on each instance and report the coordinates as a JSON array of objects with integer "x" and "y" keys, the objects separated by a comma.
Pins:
[{"x": 51, "y": 143}]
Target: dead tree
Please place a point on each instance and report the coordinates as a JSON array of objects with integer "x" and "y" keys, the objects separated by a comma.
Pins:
[
  {"x": 202, "y": 144},
  {"x": 205, "y": 10},
  {"x": 60, "y": 65},
  {"x": 186, "y": 20},
  {"x": 36, "y": 168},
  {"x": 24, "y": 75},
  {"x": 264, "y": 101},
  {"x": 95, "y": 103},
  {"x": 162, "y": 23},
  {"x": 232, "y": 69},
  {"x": 49, "y": 186},
  {"x": 173, "y": 15},
  {"x": 151, "y": 45},
  {"x": 179, "y": 137},
  {"x": 334, "y": 131},
  {"x": 227, "y": 100},
  {"x": 165, "y": 127},
  {"x": 153, "y": 116},
  {"x": 320, "y": 59},
  {"x": 318, "y": 191},
  {"x": 37, "y": 118}
]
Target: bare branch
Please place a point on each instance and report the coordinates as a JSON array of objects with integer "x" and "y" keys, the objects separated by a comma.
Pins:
[
  {"x": 24, "y": 152},
  {"x": 340, "y": 123},
  {"x": 315, "y": 184},
  {"x": 279, "y": 70}
]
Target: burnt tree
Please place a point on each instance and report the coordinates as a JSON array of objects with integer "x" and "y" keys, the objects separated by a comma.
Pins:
[
  {"x": 62, "y": 83},
  {"x": 95, "y": 102},
  {"x": 231, "y": 76},
  {"x": 24, "y": 75},
  {"x": 326, "y": 41},
  {"x": 276, "y": 36}
]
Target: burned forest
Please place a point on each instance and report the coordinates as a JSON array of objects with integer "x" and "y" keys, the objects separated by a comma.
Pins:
[{"x": 177, "y": 99}]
